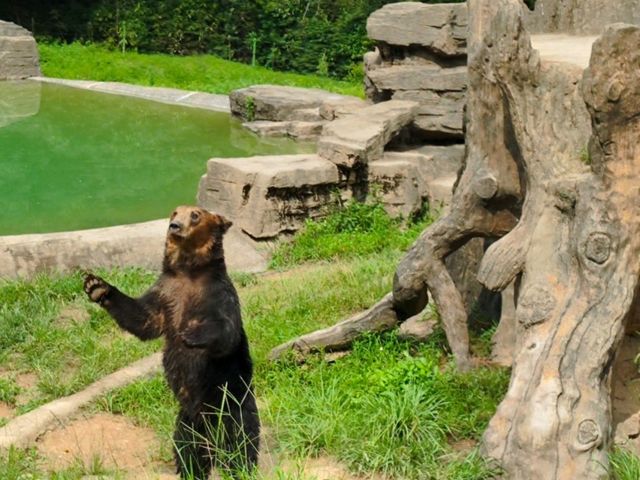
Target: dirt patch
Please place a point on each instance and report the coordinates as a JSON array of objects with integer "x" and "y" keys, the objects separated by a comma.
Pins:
[
  {"x": 72, "y": 315},
  {"x": 27, "y": 380},
  {"x": 464, "y": 446},
  {"x": 115, "y": 441},
  {"x": 324, "y": 468},
  {"x": 6, "y": 411},
  {"x": 28, "y": 383}
]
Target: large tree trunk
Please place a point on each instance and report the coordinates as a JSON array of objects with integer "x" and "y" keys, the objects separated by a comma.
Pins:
[
  {"x": 577, "y": 244},
  {"x": 552, "y": 170}
]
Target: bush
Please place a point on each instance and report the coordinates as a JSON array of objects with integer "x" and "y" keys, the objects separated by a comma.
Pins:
[
  {"x": 356, "y": 229},
  {"x": 306, "y": 36}
]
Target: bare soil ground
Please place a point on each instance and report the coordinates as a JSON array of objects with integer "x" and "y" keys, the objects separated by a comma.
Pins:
[{"x": 117, "y": 444}]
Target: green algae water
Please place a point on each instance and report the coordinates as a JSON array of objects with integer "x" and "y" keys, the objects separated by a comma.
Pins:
[{"x": 72, "y": 159}]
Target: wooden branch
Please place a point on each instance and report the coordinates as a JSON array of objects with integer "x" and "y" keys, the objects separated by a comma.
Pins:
[{"x": 379, "y": 318}]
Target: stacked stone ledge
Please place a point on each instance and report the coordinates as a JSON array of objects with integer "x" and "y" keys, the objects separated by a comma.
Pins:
[
  {"x": 362, "y": 145},
  {"x": 421, "y": 56},
  {"x": 18, "y": 53}
]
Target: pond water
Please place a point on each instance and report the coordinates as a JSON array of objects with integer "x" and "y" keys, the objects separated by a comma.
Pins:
[{"x": 74, "y": 159}]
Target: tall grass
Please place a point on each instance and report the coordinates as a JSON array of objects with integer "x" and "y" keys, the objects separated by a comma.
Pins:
[{"x": 204, "y": 73}]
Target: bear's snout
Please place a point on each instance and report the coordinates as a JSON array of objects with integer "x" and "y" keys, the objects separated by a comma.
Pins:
[{"x": 175, "y": 227}]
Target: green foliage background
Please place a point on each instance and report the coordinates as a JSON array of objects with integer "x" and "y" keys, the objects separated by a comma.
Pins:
[{"x": 307, "y": 36}]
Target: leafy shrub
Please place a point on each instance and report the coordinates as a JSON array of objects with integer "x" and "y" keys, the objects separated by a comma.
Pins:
[
  {"x": 280, "y": 34},
  {"x": 352, "y": 230}
]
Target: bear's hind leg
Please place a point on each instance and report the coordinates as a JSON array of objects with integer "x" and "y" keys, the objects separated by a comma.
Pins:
[
  {"x": 193, "y": 462},
  {"x": 243, "y": 437}
]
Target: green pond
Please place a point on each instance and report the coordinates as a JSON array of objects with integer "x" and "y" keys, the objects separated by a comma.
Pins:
[{"x": 73, "y": 159}]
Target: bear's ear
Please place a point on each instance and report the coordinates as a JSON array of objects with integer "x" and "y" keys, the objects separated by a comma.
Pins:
[{"x": 225, "y": 224}]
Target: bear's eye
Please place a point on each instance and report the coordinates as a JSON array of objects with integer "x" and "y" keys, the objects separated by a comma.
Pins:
[{"x": 195, "y": 216}]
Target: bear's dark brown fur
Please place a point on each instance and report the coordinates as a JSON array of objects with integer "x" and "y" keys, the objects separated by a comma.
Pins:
[{"x": 206, "y": 356}]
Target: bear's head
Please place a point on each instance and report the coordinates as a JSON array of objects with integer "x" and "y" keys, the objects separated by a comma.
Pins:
[{"x": 194, "y": 238}]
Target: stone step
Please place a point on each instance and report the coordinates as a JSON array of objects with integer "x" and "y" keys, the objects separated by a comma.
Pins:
[
  {"x": 397, "y": 184},
  {"x": 441, "y": 114},
  {"x": 306, "y": 115},
  {"x": 361, "y": 137},
  {"x": 278, "y": 103},
  {"x": 441, "y": 191},
  {"x": 439, "y": 28},
  {"x": 297, "y": 130},
  {"x": 269, "y": 195},
  {"x": 437, "y": 169},
  {"x": 419, "y": 77}
]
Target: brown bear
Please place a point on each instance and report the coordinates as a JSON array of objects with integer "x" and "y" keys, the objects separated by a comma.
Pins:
[{"x": 206, "y": 355}]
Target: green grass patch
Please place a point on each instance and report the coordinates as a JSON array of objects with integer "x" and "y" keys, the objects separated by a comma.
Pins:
[
  {"x": 204, "y": 73},
  {"x": 624, "y": 465},
  {"x": 388, "y": 407},
  {"x": 66, "y": 353},
  {"x": 356, "y": 229}
]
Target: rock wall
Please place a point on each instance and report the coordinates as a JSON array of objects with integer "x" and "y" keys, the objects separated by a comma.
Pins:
[
  {"x": 421, "y": 56},
  {"x": 18, "y": 53},
  {"x": 405, "y": 143},
  {"x": 581, "y": 17}
]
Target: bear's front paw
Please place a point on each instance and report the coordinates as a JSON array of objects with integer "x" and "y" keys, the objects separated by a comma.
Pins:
[{"x": 96, "y": 288}]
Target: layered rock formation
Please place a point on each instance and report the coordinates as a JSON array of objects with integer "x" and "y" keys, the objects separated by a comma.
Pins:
[
  {"x": 299, "y": 113},
  {"x": 18, "y": 53},
  {"x": 581, "y": 17},
  {"x": 421, "y": 56},
  {"x": 416, "y": 81}
]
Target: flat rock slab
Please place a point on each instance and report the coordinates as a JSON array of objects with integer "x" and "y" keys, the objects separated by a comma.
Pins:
[
  {"x": 19, "y": 56},
  {"x": 279, "y": 103},
  {"x": 559, "y": 48},
  {"x": 441, "y": 28},
  {"x": 299, "y": 130},
  {"x": 437, "y": 168},
  {"x": 8, "y": 29},
  {"x": 419, "y": 77},
  {"x": 269, "y": 195},
  {"x": 581, "y": 17},
  {"x": 440, "y": 92},
  {"x": 360, "y": 138},
  {"x": 397, "y": 181}
]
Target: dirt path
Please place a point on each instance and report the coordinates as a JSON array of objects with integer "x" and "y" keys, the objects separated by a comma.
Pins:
[{"x": 115, "y": 444}]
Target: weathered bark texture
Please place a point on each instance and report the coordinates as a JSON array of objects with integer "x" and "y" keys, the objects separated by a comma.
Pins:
[
  {"x": 577, "y": 245},
  {"x": 552, "y": 162}
]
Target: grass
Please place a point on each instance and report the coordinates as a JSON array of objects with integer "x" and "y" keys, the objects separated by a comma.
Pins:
[
  {"x": 624, "y": 464},
  {"x": 204, "y": 73},
  {"x": 357, "y": 229},
  {"x": 66, "y": 352},
  {"x": 390, "y": 406}
]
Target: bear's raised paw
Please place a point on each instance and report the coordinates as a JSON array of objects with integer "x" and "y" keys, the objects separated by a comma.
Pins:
[{"x": 96, "y": 288}]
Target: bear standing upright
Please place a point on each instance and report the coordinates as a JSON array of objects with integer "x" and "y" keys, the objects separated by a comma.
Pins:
[{"x": 206, "y": 355}]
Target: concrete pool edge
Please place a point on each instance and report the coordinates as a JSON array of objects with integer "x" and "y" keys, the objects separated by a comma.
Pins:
[
  {"x": 134, "y": 245},
  {"x": 171, "y": 96}
]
